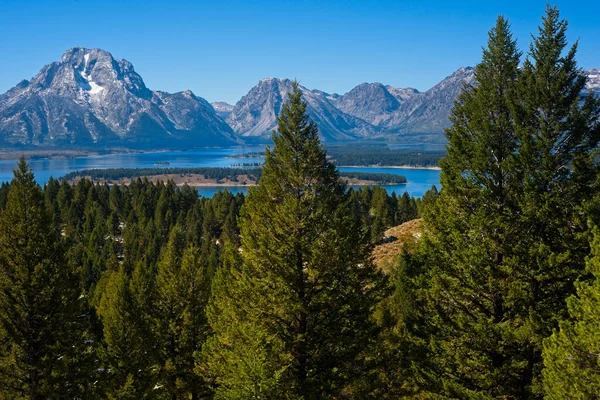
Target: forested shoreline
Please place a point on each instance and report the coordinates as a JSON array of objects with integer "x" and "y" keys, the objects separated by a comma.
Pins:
[
  {"x": 374, "y": 155},
  {"x": 216, "y": 174},
  {"x": 148, "y": 291},
  {"x": 383, "y": 156}
]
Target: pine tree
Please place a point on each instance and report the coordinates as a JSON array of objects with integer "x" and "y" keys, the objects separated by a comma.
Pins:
[
  {"x": 179, "y": 317},
  {"x": 407, "y": 209},
  {"x": 293, "y": 319},
  {"x": 470, "y": 287},
  {"x": 129, "y": 346},
  {"x": 507, "y": 232},
  {"x": 559, "y": 133},
  {"x": 571, "y": 353},
  {"x": 4, "y": 189},
  {"x": 41, "y": 339},
  {"x": 380, "y": 211}
]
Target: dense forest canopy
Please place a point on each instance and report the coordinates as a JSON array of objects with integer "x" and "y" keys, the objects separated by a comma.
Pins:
[
  {"x": 149, "y": 291},
  {"x": 376, "y": 154},
  {"x": 384, "y": 156},
  {"x": 122, "y": 251}
]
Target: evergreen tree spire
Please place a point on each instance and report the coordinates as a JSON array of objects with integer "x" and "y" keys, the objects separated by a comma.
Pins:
[
  {"x": 507, "y": 234},
  {"x": 294, "y": 317},
  {"x": 571, "y": 353},
  {"x": 179, "y": 317},
  {"x": 40, "y": 335},
  {"x": 470, "y": 285},
  {"x": 558, "y": 135}
]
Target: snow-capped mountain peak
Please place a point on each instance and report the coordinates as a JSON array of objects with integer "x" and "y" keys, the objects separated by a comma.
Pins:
[{"x": 90, "y": 97}]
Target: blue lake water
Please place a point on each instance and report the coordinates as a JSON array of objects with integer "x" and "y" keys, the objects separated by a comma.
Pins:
[
  {"x": 419, "y": 180},
  {"x": 45, "y": 168}
]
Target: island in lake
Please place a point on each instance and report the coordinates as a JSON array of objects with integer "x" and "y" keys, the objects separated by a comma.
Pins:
[{"x": 207, "y": 176}]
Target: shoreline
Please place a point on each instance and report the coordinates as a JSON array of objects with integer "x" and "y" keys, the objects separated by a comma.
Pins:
[
  {"x": 198, "y": 180},
  {"x": 52, "y": 154},
  {"x": 11, "y": 155},
  {"x": 432, "y": 168}
]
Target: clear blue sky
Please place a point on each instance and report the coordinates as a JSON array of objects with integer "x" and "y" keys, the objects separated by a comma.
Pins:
[{"x": 221, "y": 48}]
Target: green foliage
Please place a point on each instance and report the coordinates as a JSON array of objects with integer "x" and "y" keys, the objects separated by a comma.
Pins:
[
  {"x": 379, "y": 211},
  {"x": 473, "y": 219},
  {"x": 383, "y": 156},
  {"x": 128, "y": 345},
  {"x": 217, "y": 174},
  {"x": 140, "y": 300},
  {"x": 571, "y": 353},
  {"x": 42, "y": 348},
  {"x": 374, "y": 154},
  {"x": 149, "y": 291},
  {"x": 240, "y": 358},
  {"x": 118, "y": 173},
  {"x": 293, "y": 319},
  {"x": 506, "y": 237},
  {"x": 179, "y": 316},
  {"x": 400, "y": 360},
  {"x": 112, "y": 291}
]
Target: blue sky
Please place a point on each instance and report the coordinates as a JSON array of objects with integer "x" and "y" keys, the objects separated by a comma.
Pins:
[{"x": 221, "y": 48}]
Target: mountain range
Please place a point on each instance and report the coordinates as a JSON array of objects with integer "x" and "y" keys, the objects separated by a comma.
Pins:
[{"x": 91, "y": 99}]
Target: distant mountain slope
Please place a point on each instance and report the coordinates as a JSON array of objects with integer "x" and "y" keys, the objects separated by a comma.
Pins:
[
  {"x": 255, "y": 115},
  {"x": 428, "y": 112},
  {"x": 369, "y": 110},
  {"x": 371, "y": 102},
  {"x": 89, "y": 98},
  {"x": 223, "y": 109},
  {"x": 593, "y": 82}
]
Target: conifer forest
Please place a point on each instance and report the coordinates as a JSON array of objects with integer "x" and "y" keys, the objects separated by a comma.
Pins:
[{"x": 149, "y": 291}]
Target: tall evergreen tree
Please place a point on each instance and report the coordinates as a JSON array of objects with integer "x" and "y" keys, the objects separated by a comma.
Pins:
[
  {"x": 293, "y": 319},
  {"x": 558, "y": 133},
  {"x": 179, "y": 317},
  {"x": 40, "y": 332},
  {"x": 129, "y": 347},
  {"x": 508, "y": 229},
  {"x": 470, "y": 284},
  {"x": 571, "y": 353}
]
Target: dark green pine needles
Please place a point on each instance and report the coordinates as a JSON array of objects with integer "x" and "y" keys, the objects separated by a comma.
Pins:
[
  {"x": 292, "y": 318},
  {"x": 508, "y": 236},
  {"x": 42, "y": 322},
  {"x": 571, "y": 354}
]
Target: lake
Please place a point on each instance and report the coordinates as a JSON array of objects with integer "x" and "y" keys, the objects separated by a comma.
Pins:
[{"x": 419, "y": 180}]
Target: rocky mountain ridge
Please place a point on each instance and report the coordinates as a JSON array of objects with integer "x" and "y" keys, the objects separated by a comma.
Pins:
[
  {"x": 255, "y": 115},
  {"x": 593, "y": 80},
  {"x": 370, "y": 110},
  {"x": 89, "y": 98},
  {"x": 222, "y": 108}
]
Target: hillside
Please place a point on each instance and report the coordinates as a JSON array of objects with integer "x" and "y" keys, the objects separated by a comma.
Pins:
[{"x": 406, "y": 234}]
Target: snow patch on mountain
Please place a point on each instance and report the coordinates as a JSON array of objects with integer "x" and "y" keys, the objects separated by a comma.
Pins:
[
  {"x": 593, "y": 79},
  {"x": 89, "y": 97},
  {"x": 222, "y": 109}
]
